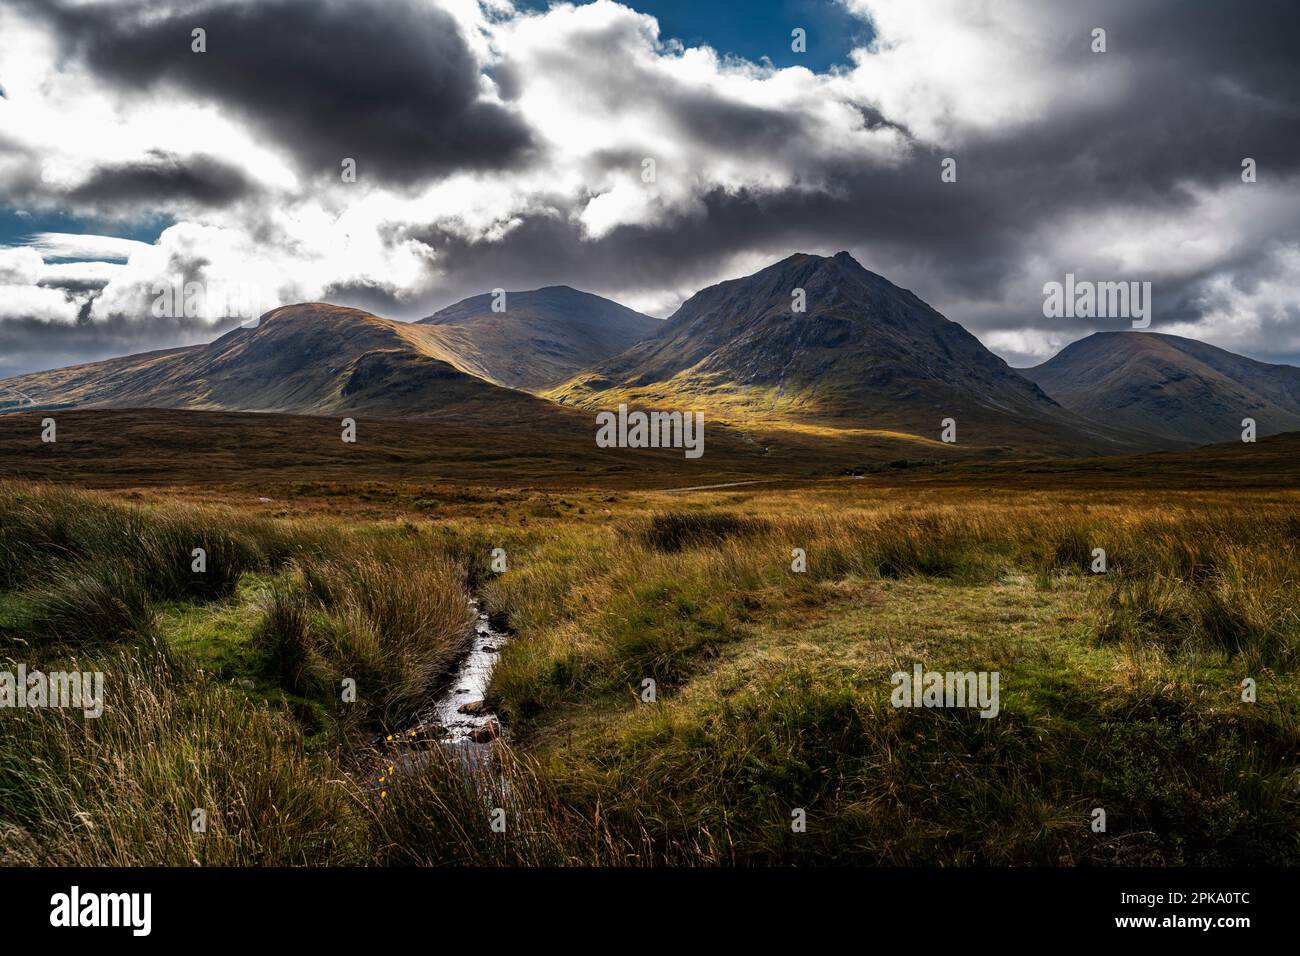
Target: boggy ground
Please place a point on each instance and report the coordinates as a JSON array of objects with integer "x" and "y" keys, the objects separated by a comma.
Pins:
[{"x": 1120, "y": 691}]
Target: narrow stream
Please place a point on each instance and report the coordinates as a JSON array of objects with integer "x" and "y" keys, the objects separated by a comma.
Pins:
[
  {"x": 459, "y": 708},
  {"x": 456, "y": 717}
]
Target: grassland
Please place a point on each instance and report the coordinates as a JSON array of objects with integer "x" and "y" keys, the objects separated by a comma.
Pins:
[
  {"x": 1120, "y": 691},
  {"x": 165, "y": 450}
]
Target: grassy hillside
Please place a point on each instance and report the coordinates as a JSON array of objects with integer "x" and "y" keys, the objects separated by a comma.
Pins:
[{"x": 305, "y": 359}]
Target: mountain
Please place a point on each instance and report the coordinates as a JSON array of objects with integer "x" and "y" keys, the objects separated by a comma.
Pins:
[
  {"x": 541, "y": 338},
  {"x": 1171, "y": 386},
  {"x": 306, "y": 359},
  {"x": 864, "y": 354},
  {"x": 868, "y": 370}
]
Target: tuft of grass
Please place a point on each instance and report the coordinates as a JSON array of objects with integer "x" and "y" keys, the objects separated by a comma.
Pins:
[
  {"x": 395, "y": 632},
  {"x": 441, "y": 810},
  {"x": 673, "y": 531},
  {"x": 1236, "y": 610},
  {"x": 85, "y": 606},
  {"x": 43, "y": 529}
]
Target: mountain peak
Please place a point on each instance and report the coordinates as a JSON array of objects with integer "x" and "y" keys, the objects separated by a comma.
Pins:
[
  {"x": 320, "y": 313},
  {"x": 1170, "y": 386},
  {"x": 541, "y": 337},
  {"x": 822, "y": 339}
]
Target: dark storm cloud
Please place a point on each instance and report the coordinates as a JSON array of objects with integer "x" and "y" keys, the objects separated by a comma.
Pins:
[
  {"x": 21, "y": 180},
  {"x": 388, "y": 83},
  {"x": 380, "y": 300},
  {"x": 75, "y": 289},
  {"x": 735, "y": 127},
  {"x": 1205, "y": 85},
  {"x": 163, "y": 179},
  {"x": 30, "y": 344}
]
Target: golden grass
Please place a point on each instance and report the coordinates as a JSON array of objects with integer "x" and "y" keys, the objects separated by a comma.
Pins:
[{"x": 1120, "y": 690}]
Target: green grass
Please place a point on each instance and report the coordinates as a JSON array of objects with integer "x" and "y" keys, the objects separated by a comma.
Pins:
[
  {"x": 218, "y": 636},
  {"x": 800, "y": 718}
]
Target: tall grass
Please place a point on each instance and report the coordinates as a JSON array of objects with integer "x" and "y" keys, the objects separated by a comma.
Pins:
[
  {"x": 91, "y": 570},
  {"x": 391, "y": 619},
  {"x": 677, "y": 530},
  {"x": 657, "y": 596},
  {"x": 92, "y": 603},
  {"x": 598, "y": 609},
  {"x": 497, "y": 809},
  {"x": 1136, "y": 711},
  {"x": 121, "y": 790},
  {"x": 44, "y": 529}
]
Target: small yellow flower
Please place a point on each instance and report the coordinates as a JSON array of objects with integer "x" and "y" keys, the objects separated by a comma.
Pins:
[{"x": 383, "y": 794}]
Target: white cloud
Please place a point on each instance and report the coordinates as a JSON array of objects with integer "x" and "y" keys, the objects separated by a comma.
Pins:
[
  {"x": 20, "y": 266},
  {"x": 950, "y": 69},
  {"x": 33, "y": 302},
  {"x": 67, "y": 245},
  {"x": 601, "y": 92}
]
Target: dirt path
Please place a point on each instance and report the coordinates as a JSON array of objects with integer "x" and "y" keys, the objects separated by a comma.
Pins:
[{"x": 729, "y": 484}]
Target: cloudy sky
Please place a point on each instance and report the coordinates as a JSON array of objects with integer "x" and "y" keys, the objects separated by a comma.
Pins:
[{"x": 503, "y": 144}]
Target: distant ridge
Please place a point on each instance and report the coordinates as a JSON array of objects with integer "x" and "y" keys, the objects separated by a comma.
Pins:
[
  {"x": 307, "y": 359},
  {"x": 542, "y": 337},
  {"x": 1171, "y": 386}
]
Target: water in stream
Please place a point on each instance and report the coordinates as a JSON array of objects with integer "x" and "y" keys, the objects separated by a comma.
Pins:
[
  {"x": 468, "y": 685},
  {"x": 467, "y": 735}
]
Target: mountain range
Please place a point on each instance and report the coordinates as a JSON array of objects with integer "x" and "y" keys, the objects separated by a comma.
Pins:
[
  {"x": 810, "y": 345},
  {"x": 862, "y": 353},
  {"x": 305, "y": 359}
]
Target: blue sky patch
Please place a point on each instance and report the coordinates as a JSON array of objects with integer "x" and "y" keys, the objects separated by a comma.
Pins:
[
  {"x": 18, "y": 226},
  {"x": 755, "y": 29}
]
